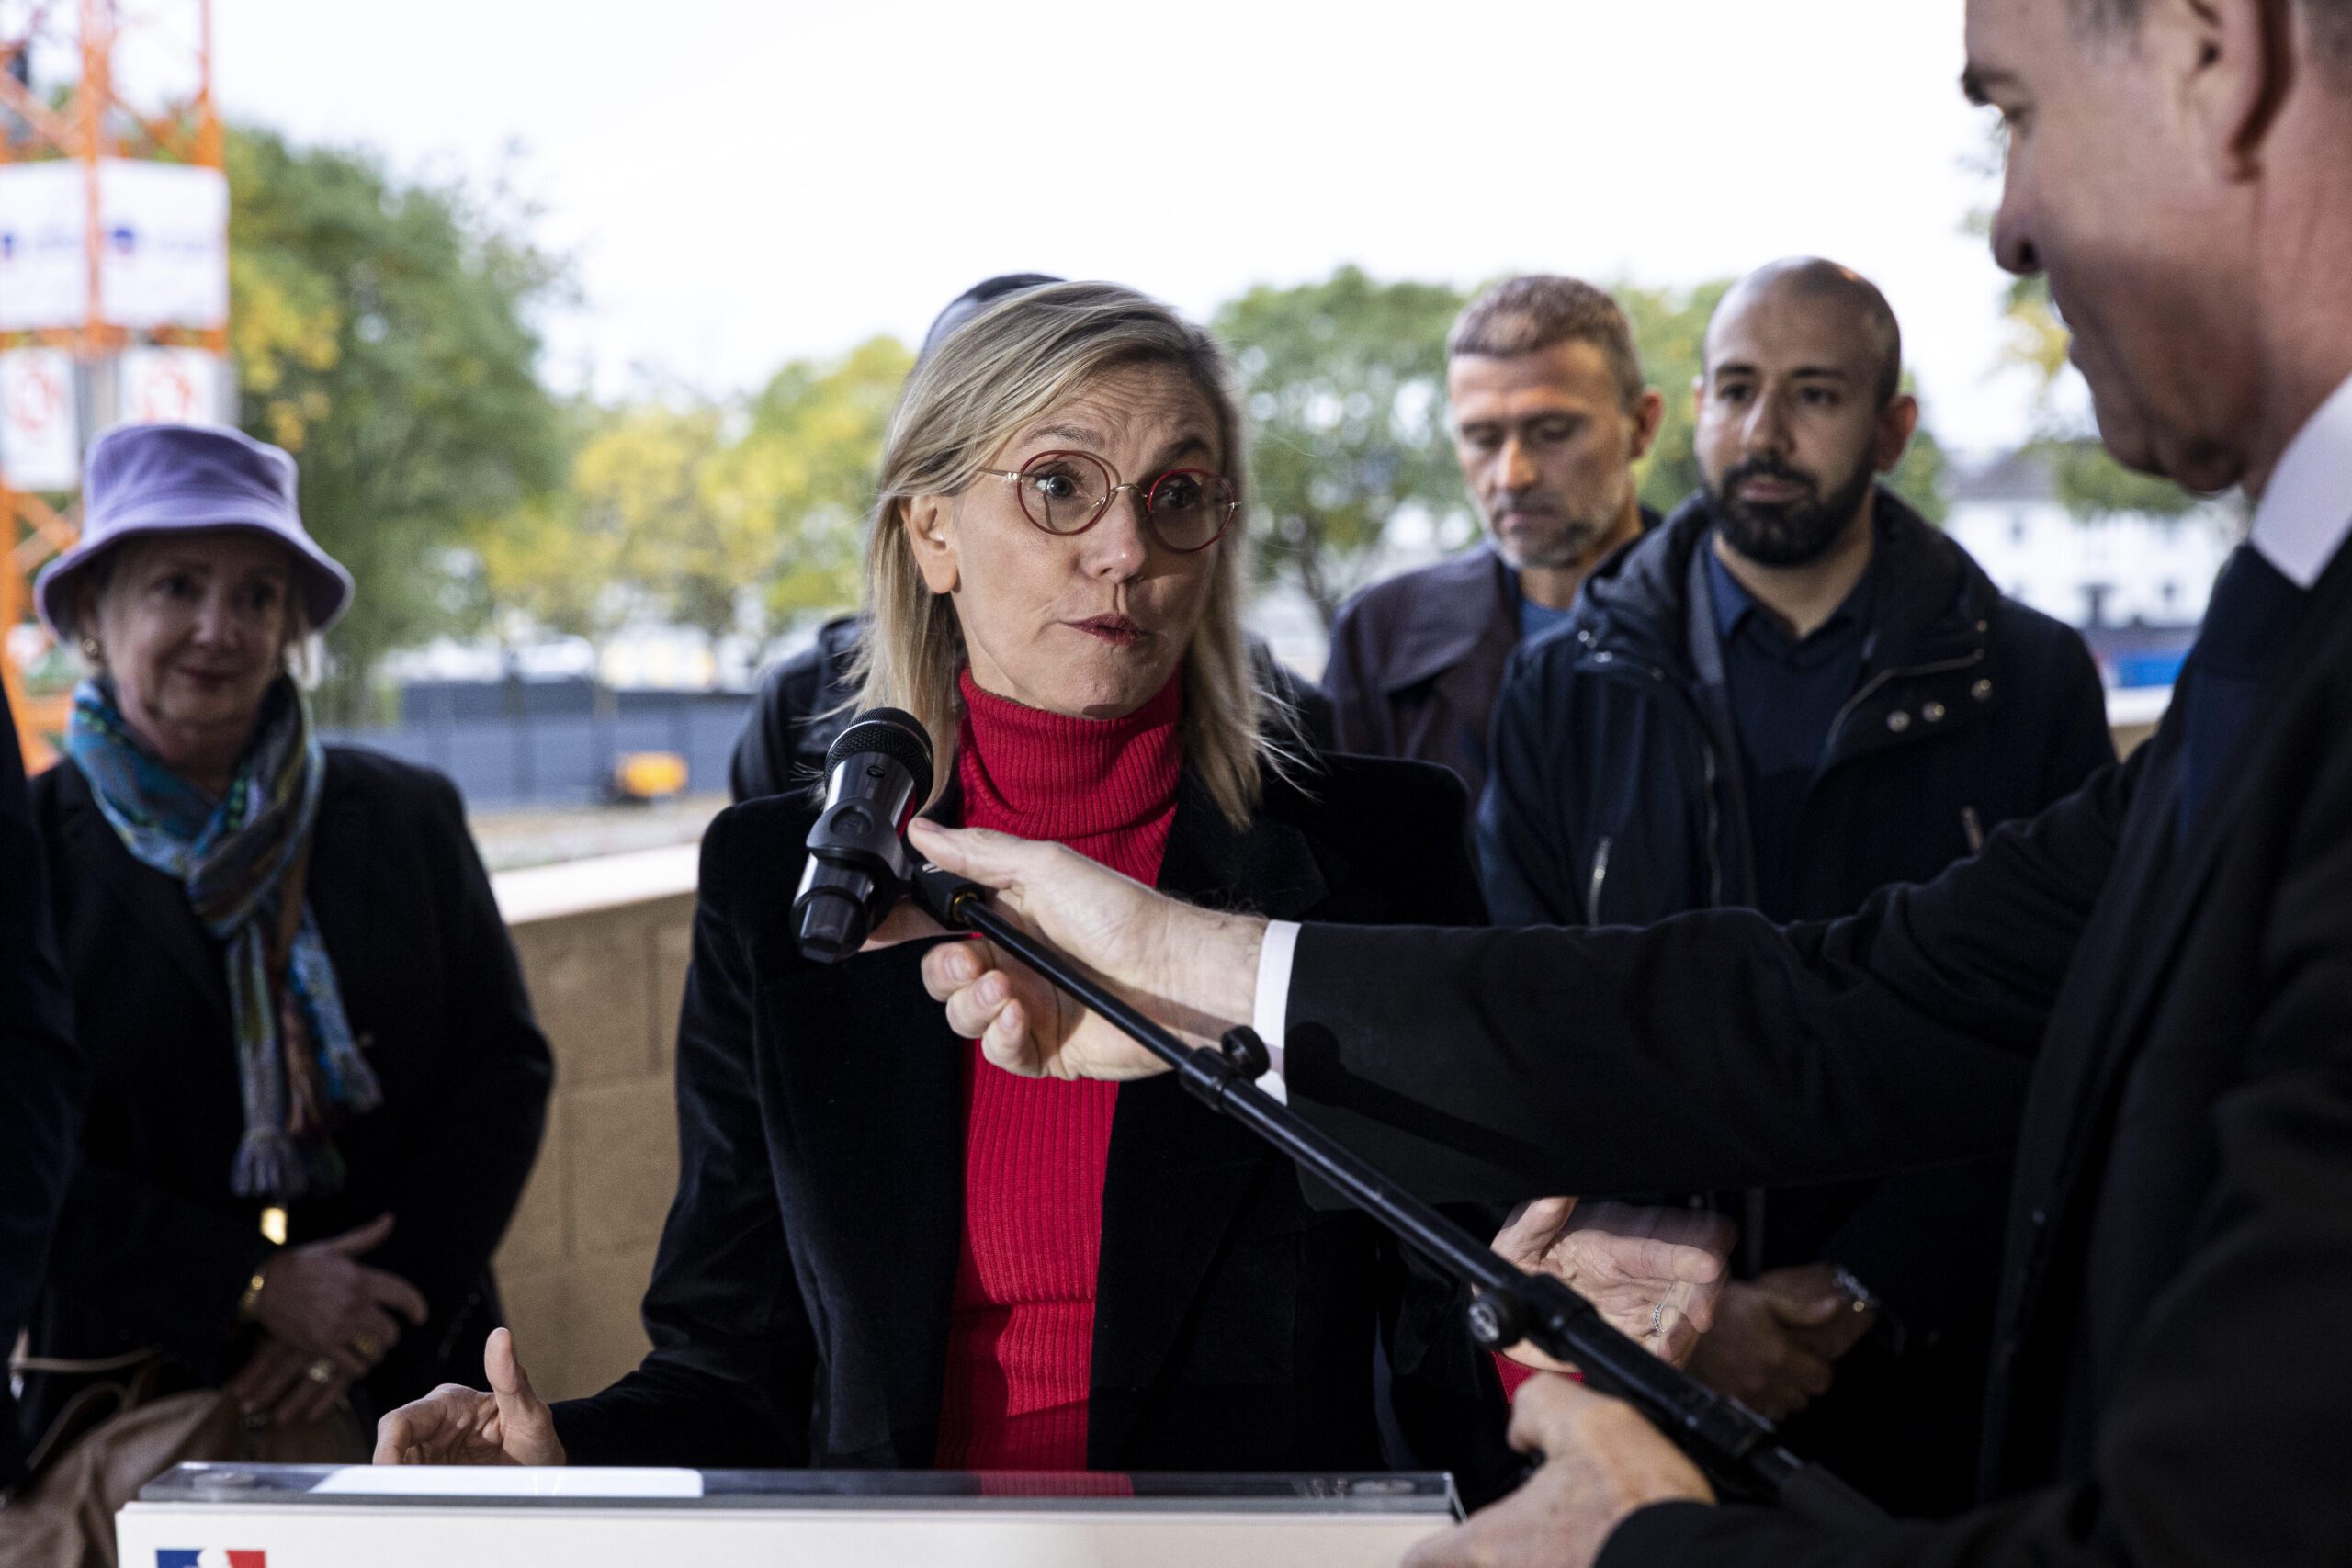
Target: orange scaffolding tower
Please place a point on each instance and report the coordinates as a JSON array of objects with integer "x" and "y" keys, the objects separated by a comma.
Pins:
[{"x": 91, "y": 115}]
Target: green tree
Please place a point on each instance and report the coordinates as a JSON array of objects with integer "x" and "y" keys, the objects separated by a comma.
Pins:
[
  {"x": 2089, "y": 482},
  {"x": 382, "y": 335},
  {"x": 801, "y": 478},
  {"x": 1344, "y": 382},
  {"x": 1670, "y": 329}
]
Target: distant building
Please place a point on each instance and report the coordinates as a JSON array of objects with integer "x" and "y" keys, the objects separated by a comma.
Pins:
[{"x": 2135, "y": 585}]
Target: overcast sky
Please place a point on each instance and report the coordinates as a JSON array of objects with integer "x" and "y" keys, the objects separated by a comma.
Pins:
[{"x": 741, "y": 182}]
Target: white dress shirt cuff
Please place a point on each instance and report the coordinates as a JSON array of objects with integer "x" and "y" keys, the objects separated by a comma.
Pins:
[{"x": 1269, "y": 1015}]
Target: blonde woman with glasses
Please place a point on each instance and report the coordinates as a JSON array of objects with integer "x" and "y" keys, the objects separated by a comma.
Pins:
[{"x": 885, "y": 1253}]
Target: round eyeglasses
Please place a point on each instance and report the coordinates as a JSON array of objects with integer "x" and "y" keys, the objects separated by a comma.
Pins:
[{"x": 1067, "y": 492}]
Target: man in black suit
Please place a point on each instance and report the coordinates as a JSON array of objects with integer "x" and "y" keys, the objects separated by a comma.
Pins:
[
  {"x": 40, "y": 1076},
  {"x": 2171, "y": 948}
]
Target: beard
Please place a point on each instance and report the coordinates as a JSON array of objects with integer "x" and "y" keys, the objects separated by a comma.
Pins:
[
  {"x": 1788, "y": 533},
  {"x": 1562, "y": 542}
]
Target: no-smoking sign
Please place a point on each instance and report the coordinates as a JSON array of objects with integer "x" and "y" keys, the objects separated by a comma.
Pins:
[{"x": 41, "y": 445}]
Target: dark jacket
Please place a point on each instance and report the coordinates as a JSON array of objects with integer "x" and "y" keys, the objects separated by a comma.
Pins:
[
  {"x": 2171, "y": 1383},
  {"x": 1615, "y": 800},
  {"x": 154, "y": 1250},
  {"x": 799, "y": 1308},
  {"x": 1418, "y": 661},
  {"x": 804, "y": 701},
  {"x": 40, "y": 1075}
]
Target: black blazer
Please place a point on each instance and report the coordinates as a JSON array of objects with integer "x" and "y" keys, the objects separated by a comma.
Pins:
[
  {"x": 153, "y": 1248},
  {"x": 2171, "y": 1381},
  {"x": 41, "y": 1085},
  {"x": 800, "y": 1301}
]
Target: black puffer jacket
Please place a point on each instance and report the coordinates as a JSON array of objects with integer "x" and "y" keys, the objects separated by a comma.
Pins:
[{"x": 1615, "y": 800}]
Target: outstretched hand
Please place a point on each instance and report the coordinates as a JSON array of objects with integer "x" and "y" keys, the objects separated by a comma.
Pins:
[
  {"x": 1191, "y": 970},
  {"x": 1655, "y": 1273},
  {"x": 456, "y": 1425}
]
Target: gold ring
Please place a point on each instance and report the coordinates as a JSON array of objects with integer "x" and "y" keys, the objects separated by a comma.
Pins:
[
  {"x": 320, "y": 1371},
  {"x": 369, "y": 1349}
]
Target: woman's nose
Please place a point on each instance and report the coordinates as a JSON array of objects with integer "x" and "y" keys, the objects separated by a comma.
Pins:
[{"x": 1117, "y": 546}]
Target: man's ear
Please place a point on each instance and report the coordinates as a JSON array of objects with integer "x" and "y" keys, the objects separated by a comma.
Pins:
[
  {"x": 2233, "y": 61},
  {"x": 1897, "y": 424},
  {"x": 929, "y": 521},
  {"x": 1648, "y": 413}
]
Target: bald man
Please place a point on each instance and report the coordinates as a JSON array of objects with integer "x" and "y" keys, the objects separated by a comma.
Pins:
[{"x": 1793, "y": 694}]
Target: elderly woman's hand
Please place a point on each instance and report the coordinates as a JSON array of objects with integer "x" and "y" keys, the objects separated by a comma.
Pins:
[
  {"x": 319, "y": 1300},
  {"x": 456, "y": 1425},
  {"x": 1654, "y": 1273}
]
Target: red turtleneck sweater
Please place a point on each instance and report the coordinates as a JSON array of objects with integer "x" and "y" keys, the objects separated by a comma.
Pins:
[{"x": 1021, "y": 1337}]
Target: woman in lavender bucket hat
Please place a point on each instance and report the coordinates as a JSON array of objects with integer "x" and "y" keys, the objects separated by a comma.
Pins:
[{"x": 315, "y": 1082}]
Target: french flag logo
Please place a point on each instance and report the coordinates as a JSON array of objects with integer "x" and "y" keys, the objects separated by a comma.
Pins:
[{"x": 211, "y": 1557}]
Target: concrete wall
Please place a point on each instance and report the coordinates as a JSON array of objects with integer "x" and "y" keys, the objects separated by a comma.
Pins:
[{"x": 605, "y": 944}]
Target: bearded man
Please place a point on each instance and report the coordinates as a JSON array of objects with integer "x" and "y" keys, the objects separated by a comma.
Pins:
[{"x": 1794, "y": 692}]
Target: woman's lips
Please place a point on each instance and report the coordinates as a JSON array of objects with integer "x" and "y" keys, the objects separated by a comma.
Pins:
[{"x": 1116, "y": 630}]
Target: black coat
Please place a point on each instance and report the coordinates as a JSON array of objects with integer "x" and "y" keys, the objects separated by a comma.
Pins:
[
  {"x": 1418, "y": 661},
  {"x": 799, "y": 1307},
  {"x": 154, "y": 1250},
  {"x": 40, "y": 1075},
  {"x": 1615, "y": 800},
  {"x": 2171, "y": 1382},
  {"x": 804, "y": 702}
]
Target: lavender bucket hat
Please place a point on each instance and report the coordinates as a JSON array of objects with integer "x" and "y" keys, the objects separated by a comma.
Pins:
[{"x": 146, "y": 479}]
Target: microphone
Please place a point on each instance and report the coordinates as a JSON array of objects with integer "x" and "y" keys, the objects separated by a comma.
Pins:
[{"x": 877, "y": 774}]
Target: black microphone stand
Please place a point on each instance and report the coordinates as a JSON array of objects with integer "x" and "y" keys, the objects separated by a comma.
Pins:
[{"x": 1737, "y": 1448}]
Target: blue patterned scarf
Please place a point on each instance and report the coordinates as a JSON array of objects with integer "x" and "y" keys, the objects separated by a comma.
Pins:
[{"x": 240, "y": 858}]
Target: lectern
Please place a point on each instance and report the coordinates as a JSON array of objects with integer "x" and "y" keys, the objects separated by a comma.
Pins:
[{"x": 240, "y": 1516}]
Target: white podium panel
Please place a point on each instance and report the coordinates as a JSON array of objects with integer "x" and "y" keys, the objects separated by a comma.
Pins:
[{"x": 326, "y": 1517}]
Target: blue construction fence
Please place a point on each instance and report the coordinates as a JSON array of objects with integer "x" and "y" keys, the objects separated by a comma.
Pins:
[{"x": 537, "y": 742}]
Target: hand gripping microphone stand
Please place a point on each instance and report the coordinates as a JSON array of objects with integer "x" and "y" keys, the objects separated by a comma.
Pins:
[{"x": 1739, "y": 1449}]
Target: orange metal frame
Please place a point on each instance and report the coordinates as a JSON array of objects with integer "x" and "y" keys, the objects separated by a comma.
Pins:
[{"x": 93, "y": 121}]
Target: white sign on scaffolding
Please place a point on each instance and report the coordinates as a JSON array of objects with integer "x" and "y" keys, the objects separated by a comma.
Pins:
[
  {"x": 163, "y": 245},
  {"x": 40, "y": 447},
  {"x": 173, "y": 386},
  {"x": 44, "y": 259}
]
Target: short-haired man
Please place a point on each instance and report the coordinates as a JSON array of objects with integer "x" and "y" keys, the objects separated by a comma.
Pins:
[
  {"x": 1792, "y": 693},
  {"x": 1550, "y": 414}
]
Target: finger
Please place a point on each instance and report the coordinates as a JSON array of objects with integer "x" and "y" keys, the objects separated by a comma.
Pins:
[
  {"x": 380, "y": 1327},
  {"x": 364, "y": 1239},
  {"x": 527, "y": 1428},
  {"x": 951, "y": 966},
  {"x": 1804, "y": 1312},
  {"x": 310, "y": 1402},
  {"x": 1006, "y": 1042},
  {"x": 907, "y": 921},
  {"x": 418, "y": 1431},
  {"x": 245, "y": 1384},
  {"x": 1810, "y": 1374},
  {"x": 391, "y": 1291},
  {"x": 1531, "y": 1229},
  {"x": 976, "y": 1005},
  {"x": 273, "y": 1377},
  {"x": 986, "y": 856}
]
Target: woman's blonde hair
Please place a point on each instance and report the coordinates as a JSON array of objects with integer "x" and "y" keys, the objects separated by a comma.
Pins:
[{"x": 1026, "y": 354}]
